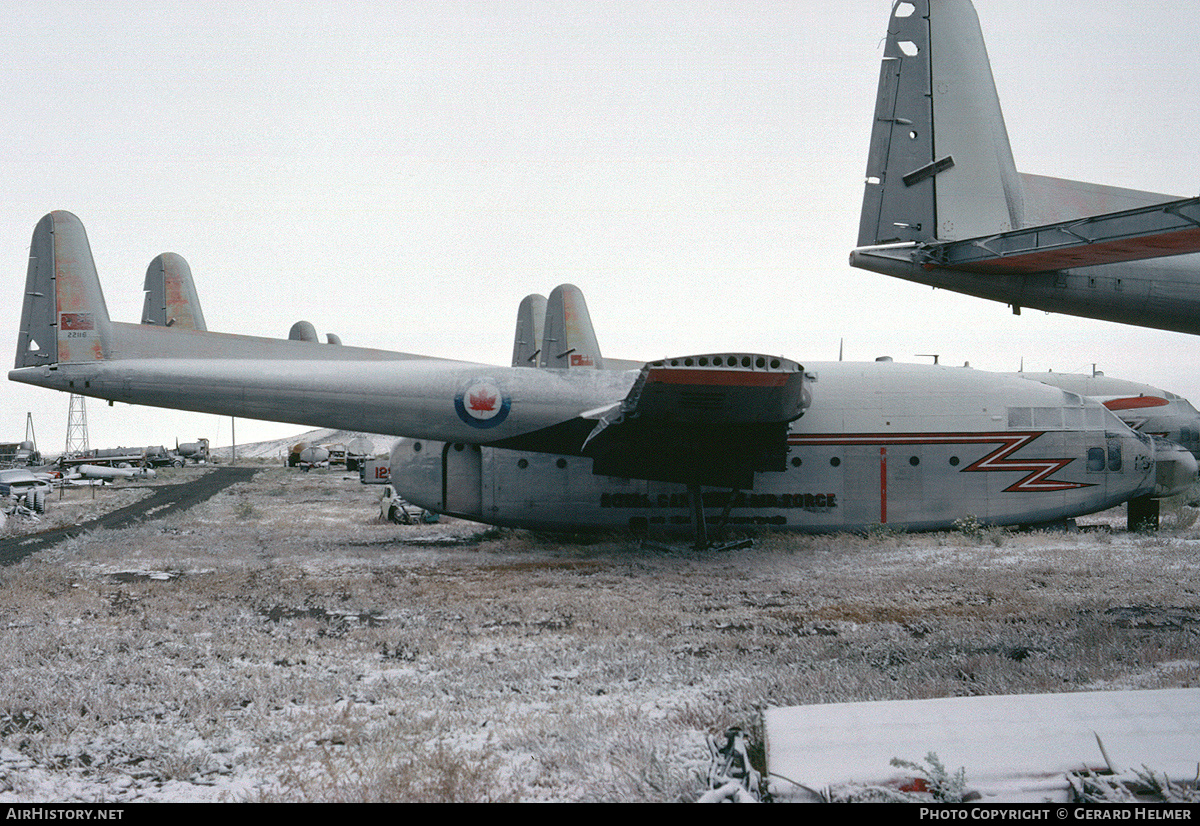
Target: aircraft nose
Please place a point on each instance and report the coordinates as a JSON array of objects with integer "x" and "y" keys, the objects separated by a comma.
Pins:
[
  {"x": 1191, "y": 438},
  {"x": 1175, "y": 468}
]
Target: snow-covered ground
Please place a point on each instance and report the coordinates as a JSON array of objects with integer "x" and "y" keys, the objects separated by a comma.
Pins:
[
  {"x": 278, "y": 448},
  {"x": 1016, "y": 748},
  {"x": 279, "y": 642}
]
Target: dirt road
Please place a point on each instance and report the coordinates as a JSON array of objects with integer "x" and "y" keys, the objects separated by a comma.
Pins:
[{"x": 163, "y": 501}]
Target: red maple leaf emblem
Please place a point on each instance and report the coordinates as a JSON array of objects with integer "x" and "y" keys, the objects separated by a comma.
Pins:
[{"x": 483, "y": 401}]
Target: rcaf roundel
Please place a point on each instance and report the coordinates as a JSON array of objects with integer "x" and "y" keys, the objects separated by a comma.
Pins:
[{"x": 481, "y": 403}]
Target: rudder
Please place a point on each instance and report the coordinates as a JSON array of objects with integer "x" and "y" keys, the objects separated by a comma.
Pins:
[
  {"x": 945, "y": 180},
  {"x": 569, "y": 340},
  {"x": 527, "y": 341},
  {"x": 171, "y": 299},
  {"x": 63, "y": 316}
]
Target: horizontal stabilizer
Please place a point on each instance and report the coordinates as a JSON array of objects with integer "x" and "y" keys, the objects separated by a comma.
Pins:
[
  {"x": 1155, "y": 231},
  {"x": 709, "y": 420}
]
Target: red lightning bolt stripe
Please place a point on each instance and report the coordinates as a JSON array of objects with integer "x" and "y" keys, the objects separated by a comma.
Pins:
[{"x": 1037, "y": 471}]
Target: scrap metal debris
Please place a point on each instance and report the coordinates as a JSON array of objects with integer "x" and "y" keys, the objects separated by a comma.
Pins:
[{"x": 731, "y": 777}]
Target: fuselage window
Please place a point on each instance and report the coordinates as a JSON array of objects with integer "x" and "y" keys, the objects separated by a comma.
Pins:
[
  {"x": 1114, "y": 456},
  {"x": 1095, "y": 459},
  {"x": 1021, "y": 417}
]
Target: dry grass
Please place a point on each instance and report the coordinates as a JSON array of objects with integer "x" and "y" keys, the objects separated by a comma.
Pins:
[
  {"x": 73, "y": 505},
  {"x": 302, "y": 650}
]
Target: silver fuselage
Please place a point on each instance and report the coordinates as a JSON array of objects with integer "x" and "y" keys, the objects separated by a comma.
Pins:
[{"x": 913, "y": 447}]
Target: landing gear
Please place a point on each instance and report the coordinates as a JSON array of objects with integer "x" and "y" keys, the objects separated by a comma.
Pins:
[
  {"x": 700, "y": 525},
  {"x": 696, "y": 496},
  {"x": 1142, "y": 514}
]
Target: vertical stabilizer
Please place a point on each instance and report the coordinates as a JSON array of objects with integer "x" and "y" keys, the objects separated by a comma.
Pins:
[
  {"x": 568, "y": 339},
  {"x": 940, "y": 165},
  {"x": 303, "y": 331},
  {"x": 527, "y": 342},
  {"x": 63, "y": 317},
  {"x": 171, "y": 299}
]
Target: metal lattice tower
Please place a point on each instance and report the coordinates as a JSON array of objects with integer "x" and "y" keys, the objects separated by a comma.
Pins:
[{"x": 77, "y": 437}]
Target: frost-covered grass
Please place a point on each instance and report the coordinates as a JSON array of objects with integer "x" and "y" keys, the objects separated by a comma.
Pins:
[
  {"x": 73, "y": 505},
  {"x": 278, "y": 642}
]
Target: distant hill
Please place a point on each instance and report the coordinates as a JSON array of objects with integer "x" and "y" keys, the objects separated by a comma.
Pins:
[{"x": 278, "y": 448}]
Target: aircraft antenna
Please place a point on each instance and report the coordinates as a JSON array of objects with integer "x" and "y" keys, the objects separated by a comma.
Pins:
[{"x": 77, "y": 435}]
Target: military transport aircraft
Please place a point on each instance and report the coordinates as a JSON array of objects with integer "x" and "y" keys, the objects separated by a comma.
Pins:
[
  {"x": 1144, "y": 407},
  {"x": 581, "y": 441},
  {"x": 944, "y": 204}
]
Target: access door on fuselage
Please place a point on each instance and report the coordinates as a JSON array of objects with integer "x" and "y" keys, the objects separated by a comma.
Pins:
[
  {"x": 462, "y": 479},
  {"x": 863, "y": 468}
]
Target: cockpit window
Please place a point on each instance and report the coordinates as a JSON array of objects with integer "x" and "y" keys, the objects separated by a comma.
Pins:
[
  {"x": 1048, "y": 418},
  {"x": 1114, "y": 455},
  {"x": 1090, "y": 416},
  {"x": 1110, "y": 418}
]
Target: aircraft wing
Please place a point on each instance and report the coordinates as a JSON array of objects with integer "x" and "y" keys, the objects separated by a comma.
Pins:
[
  {"x": 68, "y": 342},
  {"x": 710, "y": 420},
  {"x": 1156, "y": 231}
]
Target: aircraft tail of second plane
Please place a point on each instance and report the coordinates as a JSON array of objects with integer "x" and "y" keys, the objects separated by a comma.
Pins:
[
  {"x": 940, "y": 167},
  {"x": 556, "y": 331},
  {"x": 951, "y": 179},
  {"x": 63, "y": 316}
]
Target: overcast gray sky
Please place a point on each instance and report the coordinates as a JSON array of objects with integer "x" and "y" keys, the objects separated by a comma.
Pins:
[{"x": 403, "y": 174}]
